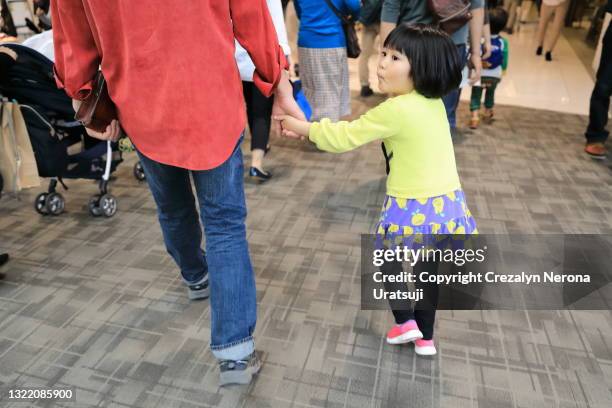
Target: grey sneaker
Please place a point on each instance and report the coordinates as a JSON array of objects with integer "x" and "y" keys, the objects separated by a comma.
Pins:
[
  {"x": 238, "y": 371},
  {"x": 198, "y": 292}
]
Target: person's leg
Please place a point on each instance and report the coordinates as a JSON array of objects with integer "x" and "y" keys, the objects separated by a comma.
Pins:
[
  {"x": 178, "y": 218},
  {"x": 260, "y": 120},
  {"x": 476, "y": 98},
  {"x": 600, "y": 98},
  {"x": 475, "y": 106},
  {"x": 405, "y": 329},
  {"x": 401, "y": 309},
  {"x": 545, "y": 14},
  {"x": 511, "y": 8},
  {"x": 3, "y": 259},
  {"x": 425, "y": 311},
  {"x": 367, "y": 40},
  {"x": 525, "y": 10},
  {"x": 489, "y": 101},
  {"x": 557, "y": 24},
  {"x": 451, "y": 100},
  {"x": 233, "y": 304}
]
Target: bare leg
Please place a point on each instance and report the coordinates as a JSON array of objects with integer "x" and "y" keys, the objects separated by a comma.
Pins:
[
  {"x": 545, "y": 15},
  {"x": 511, "y": 9},
  {"x": 525, "y": 9},
  {"x": 560, "y": 12}
]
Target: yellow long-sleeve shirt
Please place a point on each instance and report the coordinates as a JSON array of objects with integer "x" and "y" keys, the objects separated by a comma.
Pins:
[{"x": 416, "y": 135}]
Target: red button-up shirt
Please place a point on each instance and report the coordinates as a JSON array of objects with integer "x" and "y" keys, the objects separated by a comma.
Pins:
[{"x": 170, "y": 69}]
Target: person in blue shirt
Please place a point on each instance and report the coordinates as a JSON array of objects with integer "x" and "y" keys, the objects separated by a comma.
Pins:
[{"x": 322, "y": 55}]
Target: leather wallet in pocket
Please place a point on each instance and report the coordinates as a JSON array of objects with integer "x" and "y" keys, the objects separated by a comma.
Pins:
[{"x": 98, "y": 110}]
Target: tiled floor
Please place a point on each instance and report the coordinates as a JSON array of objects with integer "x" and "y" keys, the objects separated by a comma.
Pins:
[
  {"x": 98, "y": 305},
  {"x": 563, "y": 85}
]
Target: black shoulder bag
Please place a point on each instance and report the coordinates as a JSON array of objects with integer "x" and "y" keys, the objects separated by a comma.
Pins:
[{"x": 348, "y": 25}]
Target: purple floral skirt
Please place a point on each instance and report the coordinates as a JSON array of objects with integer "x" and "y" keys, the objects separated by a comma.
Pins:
[{"x": 411, "y": 221}]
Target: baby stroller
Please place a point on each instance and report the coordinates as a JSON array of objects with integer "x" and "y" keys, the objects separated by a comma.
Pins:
[{"x": 62, "y": 148}]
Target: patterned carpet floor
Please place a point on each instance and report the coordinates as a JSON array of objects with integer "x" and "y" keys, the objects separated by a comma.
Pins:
[{"x": 97, "y": 304}]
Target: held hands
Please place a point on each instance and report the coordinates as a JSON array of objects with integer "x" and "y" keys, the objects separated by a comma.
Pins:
[
  {"x": 294, "y": 128},
  {"x": 112, "y": 132},
  {"x": 284, "y": 104}
]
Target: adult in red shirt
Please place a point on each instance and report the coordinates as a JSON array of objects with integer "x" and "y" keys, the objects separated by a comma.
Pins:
[{"x": 171, "y": 72}]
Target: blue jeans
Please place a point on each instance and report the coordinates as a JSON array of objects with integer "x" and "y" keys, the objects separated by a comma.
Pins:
[
  {"x": 226, "y": 263},
  {"x": 451, "y": 100}
]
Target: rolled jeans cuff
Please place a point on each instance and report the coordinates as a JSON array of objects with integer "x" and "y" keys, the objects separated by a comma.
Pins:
[{"x": 236, "y": 350}]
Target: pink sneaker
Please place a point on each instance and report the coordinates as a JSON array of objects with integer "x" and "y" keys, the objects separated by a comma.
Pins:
[
  {"x": 424, "y": 347},
  {"x": 404, "y": 333}
]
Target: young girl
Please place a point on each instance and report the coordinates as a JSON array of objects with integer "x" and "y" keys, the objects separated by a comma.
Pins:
[{"x": 417, "y": 66}]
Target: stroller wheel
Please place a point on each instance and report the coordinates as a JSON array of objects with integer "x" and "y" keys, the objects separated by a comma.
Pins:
[
  {"x": 40, "y": 203},
  {"x": 108, "y": 205},
  {"x": 55, "y": 203},
  {"x": 94, "y": 206},
  {"x": 139, "y": 172}
]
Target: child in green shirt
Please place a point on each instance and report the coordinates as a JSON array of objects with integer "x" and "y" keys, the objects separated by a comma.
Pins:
[{"x": 417, "y": 66}]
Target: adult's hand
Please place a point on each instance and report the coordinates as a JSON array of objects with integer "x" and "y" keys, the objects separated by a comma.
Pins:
[
  {"x": 284, "y": 104},
  {"x": 112, "y": 132},
  {"x": 476, "y": 70},
  {"x": 488, "y": 49}
]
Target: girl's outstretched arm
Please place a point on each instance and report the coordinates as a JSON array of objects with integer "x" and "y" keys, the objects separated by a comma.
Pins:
[{"x": 379, "y": 123}]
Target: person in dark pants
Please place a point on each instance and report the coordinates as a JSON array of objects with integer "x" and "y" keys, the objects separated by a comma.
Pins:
[
  {"x": 259, "y": 115},
  {"x": 596, "y": 133},
  {"x": 3, "y": 257},
  {"x": 258, "y": 106}
]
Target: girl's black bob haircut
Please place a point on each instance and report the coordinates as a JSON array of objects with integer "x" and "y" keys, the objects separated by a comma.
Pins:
[{"x": 435, "y": 67}]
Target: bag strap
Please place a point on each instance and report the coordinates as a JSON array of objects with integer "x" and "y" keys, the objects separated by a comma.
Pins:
[
  {"x": 337, "y": 12},
  {"x": 388, "y": 157},
  {"x": 11, "y": 126}
]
